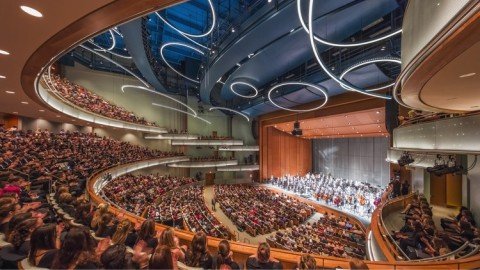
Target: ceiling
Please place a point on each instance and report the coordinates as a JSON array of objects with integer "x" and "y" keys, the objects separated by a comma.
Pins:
[
  {"x": 369, "y": 123},
  {"x": 261, "y": 42},
  {"x": 462, "y": 73},
  {"x": 25, "y": 34}
]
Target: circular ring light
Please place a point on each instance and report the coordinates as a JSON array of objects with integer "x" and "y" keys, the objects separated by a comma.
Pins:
[
  {"x": 160, "y": 94},
  {"x": 324, "y": 67},
  {"x": 214, "y": 18},
  {"x": 181, "y": 45},
  {"x": 367, "y": 62},
  {"x": 316, "y": 87},
  {"x": 255, "y": 90},
  {"x": 319, "y": 39},
  {"x": 230, "y": 110}
]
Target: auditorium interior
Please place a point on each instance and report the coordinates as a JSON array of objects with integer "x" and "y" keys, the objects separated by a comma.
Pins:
[{"x": 239, "y": 134}]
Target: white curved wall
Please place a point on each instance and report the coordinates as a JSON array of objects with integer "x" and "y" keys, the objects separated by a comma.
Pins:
[{"x": 422, "y": 21}]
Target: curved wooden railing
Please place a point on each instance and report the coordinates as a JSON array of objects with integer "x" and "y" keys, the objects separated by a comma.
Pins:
[{"x": 241, "y": 251}]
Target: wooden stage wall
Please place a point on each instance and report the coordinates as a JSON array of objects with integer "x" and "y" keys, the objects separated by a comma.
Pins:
[{"x": 283, "y": 153}]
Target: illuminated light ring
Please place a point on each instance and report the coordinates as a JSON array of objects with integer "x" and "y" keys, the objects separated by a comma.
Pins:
[
  {"x": 214, "y": 18},
  {"x": 100, "y": 49},
  {"x": 181, "y": 45},
  {"x": 115, "y": 29},
  {"x": 370, "y": 61},
  {"x": 230, "y": 110},
  {"x": 319, "y": 39},
  {"x": 247, "y": 84},
  {"x": 114, "y": 42},
  {"x": 180, "y": 111},
  {"x": 316, "y": 87},
  {"x": 327, "y": 70},
  {"x": 117, "y": 64},
  {"x": 158, "y": 93}
]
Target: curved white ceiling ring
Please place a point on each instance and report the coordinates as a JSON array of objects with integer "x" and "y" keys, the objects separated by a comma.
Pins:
[
  {"x": 114, "y": 42},
  {"x": 117, "y": 64},
  {"x": 367, "y": 62},
  {"x": 230, "y": 110},
  {"x": 158, "y": 93},
  {"x": 214, "y": 19},
  {"x": 255, "y": 90},
  {"x": 323, "y": 41},
  {"x": 181, "y": 45},
  {"x": 100, "y": 49},
  {"x": 180, "y": 111},
  {"x": 316, "y": 87},
  {"x": 183, "y": 35},
  {"x": 325, "y": 68}
]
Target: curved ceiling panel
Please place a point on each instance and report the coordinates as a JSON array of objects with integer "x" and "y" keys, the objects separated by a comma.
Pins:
[
  {"x": 293, "y": 49},
  {"x": 132, "y": 35},
  {"x": 264, "y": 33}
]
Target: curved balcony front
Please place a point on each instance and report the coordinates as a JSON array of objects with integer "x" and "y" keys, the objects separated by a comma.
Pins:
[
  {"x": 239, "y": 168},
  {"x": 204, "y": 164},
  {"x": 207, "y": 142}
]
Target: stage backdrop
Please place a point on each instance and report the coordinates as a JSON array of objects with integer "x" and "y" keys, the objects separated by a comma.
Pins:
[{"x": 360, "y": 159}]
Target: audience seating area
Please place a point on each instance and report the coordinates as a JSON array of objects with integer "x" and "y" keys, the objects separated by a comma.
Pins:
[
  {"x": 84, "y": 98},
  {"x": 258, "y": 210},
  {"x": 355, "y": 197},
  {"x": 419, "y": 238},
  {"x": 185, "y": 208},
  {"x": 330, "y": 236},
  {"x": 135, "y": 192}
]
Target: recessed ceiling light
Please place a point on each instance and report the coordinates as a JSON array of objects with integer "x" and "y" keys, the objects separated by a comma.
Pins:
[
  {"x": 24, "y": 102},
  {"x": 378, "y": 112},
  {"x": 31, "y": 11},
  {"x": 467, "y": 75},
  {"x": 9, "y": 92},
  {"x": 58, "y": 115},
  {"x": 4, "y": 52},
  {"x": 41, "y": 110},
  {"x": 2, "y": 77},
  {"x": 15, "y": 112}
]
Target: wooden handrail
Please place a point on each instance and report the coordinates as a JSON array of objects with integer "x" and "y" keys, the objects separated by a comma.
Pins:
[{"x": 241, "y": 251}]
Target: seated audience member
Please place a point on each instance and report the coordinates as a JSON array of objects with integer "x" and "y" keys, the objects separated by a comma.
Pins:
[
  {"x": 7, "y": 211},
  {"x": 167, "y": 238},
  {"x": 124, "y": 229},
  {"x": 162, "y": 259},
  {"x": 307, "y": 262},
  {"x": 43, "y": 245},
  {"x": 106, "y": 226},
  {"x": 224, "y": 260},
  {"x": 77, "y": 251},
  {"x": 262, "y": 259},
  {"x": 117, "y": 257},
  {"x": 147, "y": 234},
  {"x": 20, "y": 236},
  {"x": 197, "y": 255},
  {"x": 97, "y": 216},
  {"x": 15, "y": 221}
]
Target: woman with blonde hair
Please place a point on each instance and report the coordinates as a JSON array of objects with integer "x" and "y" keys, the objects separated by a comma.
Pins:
[
  {"x": 101, "y": 209},
  {"x": 168, "y": 239},
  {"x": 123, "y": 229}
]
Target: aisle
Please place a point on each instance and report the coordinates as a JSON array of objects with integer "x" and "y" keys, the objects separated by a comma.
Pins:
[{"x": 208, "y": 193}]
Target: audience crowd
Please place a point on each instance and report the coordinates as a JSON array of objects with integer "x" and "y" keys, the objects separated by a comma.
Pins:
[
  {"x": 258, "y": 210},
  {"x": 135, "y": 192},
  {"x": 186, "y": 208},
  {"x": 82, "y": 97},
  {"x": 331, "y": 235},
  {"x": 355, "y": 197},
  {"x": 419, "y": 238}
]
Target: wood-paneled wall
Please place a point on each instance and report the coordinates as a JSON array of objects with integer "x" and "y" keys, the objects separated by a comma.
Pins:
[{"x": 282, "y": 153}]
